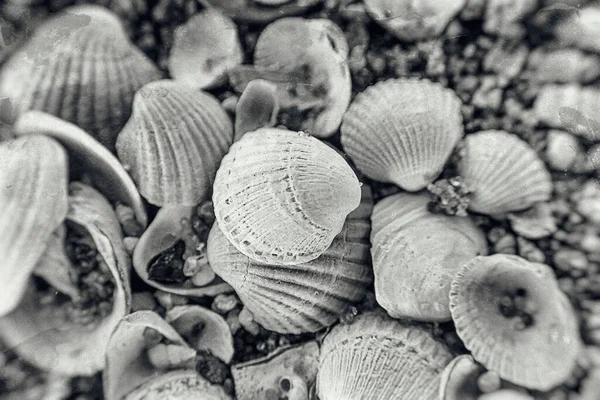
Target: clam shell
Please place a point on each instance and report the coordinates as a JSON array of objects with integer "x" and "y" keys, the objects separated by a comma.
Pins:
[
  {"x": 204, "y": 49},
  {"x": 504, "y": 172},
  {"x": 402, "y": 131},
  {"x": 253, "y": 12},
  {"x": 174, "y": 142},
  {"x": 410, "y": 20},
  {"x": 538, "y": 352},
  {"x": 281, "y": 197},
  {"x": 33, "y": 203},
  {"x": 416, "y": 254},
  {"x": 459, "y": 379},
  {"x": 377, "y": 357},
  {"x": 81, "y": 67},
  {"x": 179, "y": 385},
  {"x": 257, "y": 107}
]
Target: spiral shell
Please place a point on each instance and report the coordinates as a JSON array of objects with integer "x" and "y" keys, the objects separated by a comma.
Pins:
[
  {"x": 459, "y": 379},
  {"x": 174, "y": 142},
  {"x": 281, "y": 197},
  {"x": 402, "y": 131},
  {"x": 515, "y": 320},
  {"x": 377, "y": 357},
  {"x": 257, "y": 11},
  {"x": 81, "y": 67},
  {"x": 504, "y": 172}
]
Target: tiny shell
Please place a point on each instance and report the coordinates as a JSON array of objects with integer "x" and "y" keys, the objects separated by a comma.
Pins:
[
  {"x": 459, "y": 379},
  {"x": 411, "y": 20},
  {"x": 281, "y": 197},
  {"x": 257, "y": 107},
  {"x": 204, "y": 49},
  {"x": 179, "y": 385},
  {"x": 254, "y": 12},
  {"x": 80, "y": 66},
  {"x": 174, "y": 142},
  {"x": 402, "y": 131},
  {"x": 515, "y": 320},
  {"x": 504, "y": 172},
  {"x": 377, "y": 357}
]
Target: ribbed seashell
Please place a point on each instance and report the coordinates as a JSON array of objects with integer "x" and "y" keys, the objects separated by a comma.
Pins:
[
  {"x": 43, "y": 335},
  {"x": 562, "y": 65},
  {"x": 410, "y": 20},
  {"x": 86, "y": 157},
  {"x": 174, "y": 142},
  {"x": 33, "y": 203},
  {"x": 204, "y": 49},
  {"x": 257, "y": 107},
  {"x": 504, "y": 173},
  {"x": 459, "y": 379},
  {"x": 416, "y": 254},
  {"x": 402, "y": 131},
  {"x": 269, "y": 376},
  {"x": 281, "y": 197},
  {"x": 512, "y": 316},
  {"x": 81, "y": 67},
  {"x": 179, "y": 385},
  {"x": 256, "y": 12},
  {"x": 377, "y": 357}
]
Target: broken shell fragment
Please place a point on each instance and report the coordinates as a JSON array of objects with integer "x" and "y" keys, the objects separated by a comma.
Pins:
[
  {"x": 259, "y": 11},
  {"x": 281, "y": 197},
  {"x": 257, "y": 107},
  {"x": 459, "y": 379},
  {"x": 163, "y": 356},
  {"x": 174, "y": 142},
  {"x": 504, "y": 172},
  {"x": 402, "y": 131},
  {"x": 515, "y": 320},
  {"x": 179, "y": 385},
  {"x": 204, "y": 49},
  {"x": 372, "y": 358}
]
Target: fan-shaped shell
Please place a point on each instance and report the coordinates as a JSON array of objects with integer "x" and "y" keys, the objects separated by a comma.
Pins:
[
  {"x": 81, "y": 67},
  {"x": 416, "y": 254},
  {"x": 174, "y": 142},
  {"x": 254, "y": 12},
  {"x": 281, "y": 197},
  {"x": 179, "y": 385},
  {"x": 504, "y": 173},
  {"x": 515, "y": 320},
  {"x": 459, "y": 379},
  {"x": 377, "y": 357},
  {"x": 402, "y": 131},
  {"x": 33, "y": 203}
]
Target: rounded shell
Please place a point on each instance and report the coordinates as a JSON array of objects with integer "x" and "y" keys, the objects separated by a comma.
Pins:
[
  {"x": 402, "y": 131},
  {"x": 174, "y": 142},
  {"x": 504, "y": 173},
  {"x": 281, "y": 197}
]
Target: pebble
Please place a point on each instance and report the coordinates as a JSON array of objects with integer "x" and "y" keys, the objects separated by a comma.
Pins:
[
  {"x": 170, "y": 300},
  {"x": 592, "y": 158},
  {"x": 591, "y": 241},
  {"x": 143, "y": 301},
  {"x": 562, "y": 66},
  {"x": 223, "y": 303},
  {"x": 506, "y": 245},
  {"x": 529, "y": 251},
  {"x": 580, "y": 28},
  {"x": 506, "y": 58},
  {"x": 590, "y": 387},
  {"x": 588, "y": 201},
  {"x": 130, "y": 242},
  {"x": 488, "y": 95},
  {"x": 230, "y": 103},
  {"x": 535, "y": 223},
  {"x": 233, "y": 321},
  {"x": 473, "y": 10},
  {"x": 572, "y": 261},
  {"x": 504, "y": 17},
  {"x": 247, "y": 322},
  {"x": 488, "y": 382},
  {"x": 562, "y": 150}
]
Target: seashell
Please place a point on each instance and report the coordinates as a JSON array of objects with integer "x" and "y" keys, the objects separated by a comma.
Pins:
[
  {"x": 515, "y": 320},
  {"x": 45, "y": 335},
  {"x": 81, "y": 67},
  {"x": 257, "y": 107},
  {"x": 504, "y": 172},
  {"x": 258, "y": 11},
  {"x": 412, "y": 21},
  {"x": 281, "y": 197},
  {"x": 86, "y": 156},
  {"x": 307, "y": 60},
  {"x": 402, "y": 131},
  {"x": 415, "y": 258},
  {"x": 204, "y": 49},
  {"x": 562, "y": 65},
  {"x": 579, "y": 28},
  {"x": 173, "y": 159},
  {"x": 287, "y": 371},
  {"x": 171, "y": 224},
  {"x": 179, "y": 385},
  {"x": 459, "y": 379},
  {"x": 33, "y": 203},
  {"x": 372, "y": 358}
]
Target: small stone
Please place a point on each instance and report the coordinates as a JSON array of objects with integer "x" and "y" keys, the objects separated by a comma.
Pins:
[
  {"x": 580, "y": 28},
  {"x": 143, "y": 301},
  {"x": 473, "y": 10},
  {"x": 505, "y": 17},
  {"x": 535, "y": 223},
  {"x": 233, "y": 321},
  {"x": 211, "y": 368},
  {"x": 204, "y": 276},
  {"x": 590, "y": 386},
  {"x": 530, "y": 251},
  {"x": 169, "y": 300},
  {"x": 506, "y": 58},
  {"x": 572, "y": 261},
  {"x": 230, "y": 103},
  {"x": 506, "y": 245},
  {"x": 170, "y": 356},
  {"x": 588, "y": 201},
  {"x": 591, "y": 241},
  {"x": 193, "y": 264},
  {"x": 247, "y": 321},
  {"x": 488, "y": 95},
  {"x": 130, "y": 242},
  {"x": 223, "y": 303},
  {"x": 562, "y": 66},
  {"x": 126, "y": 218},
  {"x": 489, "y": 382},
  {"x": 562, "y": 150},
  {"x": 355, "y": 12}
]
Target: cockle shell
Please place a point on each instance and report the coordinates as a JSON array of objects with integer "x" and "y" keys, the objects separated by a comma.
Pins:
[
  {"x": 174, "y": 142},
  {"x": 411, "y": 20},
  {"x": 416, "y": 254},
  {"x": 515, "y": 320},
  {"x": 281, "y": 197},
  {"x": 80, "y": 66},
  {"x": 179, "y": 385},
  {"x": 257, "y": 107},
  {"x": 255, "y": 12},
  {"x": 459, "y": 379},
  {"x": 504, "y": 173},
  {"x": 204, "y": 49},
  {"x": 402, "y": 131},
  {"x": 377, "y": 357},
  {"x": 33, "y": 203},
  {"x": 42, "y": 335}
]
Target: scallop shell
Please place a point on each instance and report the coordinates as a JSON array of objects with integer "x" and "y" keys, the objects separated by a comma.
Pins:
[
  {"x": 459, "y": 379},
  {"x": 504, "y": 172},
  {"x": 257, "y": 107},
  {"x": 80, "y": 66},
  {"x": 255, "y": 12},
  {"x": 515, "y": 320},
  {"x": 174, "y": 142},
  {"x": 416, "y": 254},
  {"x": 204, "y": 49},
  {"x": 179, "y": 385},
  {"x": 402, "y": 131},
  {"x": 33, "y": 203},
  {"x": 377, "y": 357},
  {"x": 281, "y": 197},
  {"x": 411, "y": 20}
]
